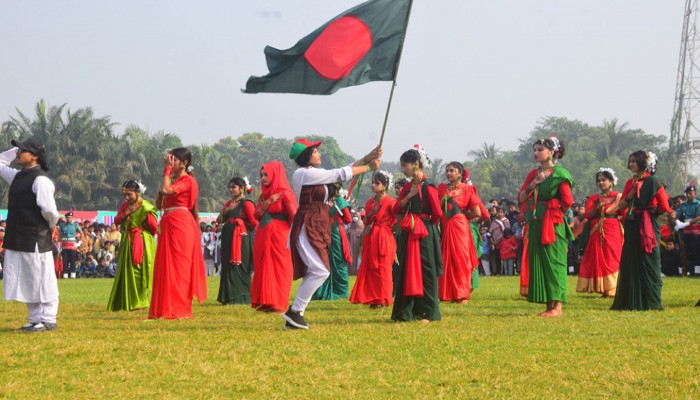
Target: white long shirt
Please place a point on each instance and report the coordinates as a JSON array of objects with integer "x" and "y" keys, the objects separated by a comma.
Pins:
[
  {"x": 30, "y": 277},
  {"x": 306, "y": 176}
]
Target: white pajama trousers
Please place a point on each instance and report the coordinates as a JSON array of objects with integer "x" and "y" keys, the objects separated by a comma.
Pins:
[{"x": 316, "y": 273}]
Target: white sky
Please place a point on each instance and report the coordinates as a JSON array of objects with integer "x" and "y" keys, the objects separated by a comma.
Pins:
[{"x": 472, "y": 71}]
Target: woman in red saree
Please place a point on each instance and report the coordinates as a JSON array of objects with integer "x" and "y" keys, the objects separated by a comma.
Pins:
[
  {"x": 272, "y": 258},
  {"x": 179, "y": 274},
  {"x": 601, "y": 259},
  {"x": 458, "y": 251},
  {"x": 374, "y": 277}
]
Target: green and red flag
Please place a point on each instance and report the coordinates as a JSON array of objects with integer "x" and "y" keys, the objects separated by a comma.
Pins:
[{"x": 361, "y": 45}]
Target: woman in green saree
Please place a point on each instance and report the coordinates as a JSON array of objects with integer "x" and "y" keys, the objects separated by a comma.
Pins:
[
  {"x": 137, "y": 250},
  {"x": 547, "y": 194}
]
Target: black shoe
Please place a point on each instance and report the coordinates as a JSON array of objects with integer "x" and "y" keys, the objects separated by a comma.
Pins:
[
  {"x": 289, "y": 327},
  {"x": 295, "y": 319},
  {"x": 26, "y": 327},
  {"x": 50, "y": 326},
  {"x": 697, "y": 304},
  {"x": 40, "y": 327}
]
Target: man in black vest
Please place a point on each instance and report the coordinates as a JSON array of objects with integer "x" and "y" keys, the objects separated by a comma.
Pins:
[{"x": 29, "y": 266}]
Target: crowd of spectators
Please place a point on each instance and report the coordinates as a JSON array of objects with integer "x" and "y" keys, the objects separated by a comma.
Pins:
[{"x": 97, "y": 245}]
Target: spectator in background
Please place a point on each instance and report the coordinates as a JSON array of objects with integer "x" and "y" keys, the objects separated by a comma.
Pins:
[
  {"x": 112, "y": 239},
  {"x": 208, "y": 240},
  {"x": 498, "y": 226},
  {"x": 688, "y": 215},
  {"x": 85, "y": 244},
  {"x": 355, "y": 230},
  {"x": 88, "y": 267},
  {"x": 512, "y": 214},
  {"x": 670, "y": 251},
  {"x": 69, "y": 251},
  {"x": 485, "y": 250},
  {"x": 98, "y": 242},
  {"x": 509, "y": 250}
]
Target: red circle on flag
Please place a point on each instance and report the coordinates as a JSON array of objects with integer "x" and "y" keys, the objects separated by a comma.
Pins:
[{"x": 340, "y": 46}]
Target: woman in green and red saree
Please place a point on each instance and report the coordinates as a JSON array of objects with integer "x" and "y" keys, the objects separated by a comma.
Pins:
[
  {"x": 546, "y": 195},
  {"x": 418, "y": 245},
  {"x": 239, "y": 224},
  {"x": 643, "y": 200},
  {"x": 137, "y": 250}
]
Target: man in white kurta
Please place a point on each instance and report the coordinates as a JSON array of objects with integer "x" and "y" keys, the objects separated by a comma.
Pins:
[{"x": 29, "y": 277}]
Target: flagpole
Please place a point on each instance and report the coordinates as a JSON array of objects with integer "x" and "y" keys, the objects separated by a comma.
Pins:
[
  {"x": 359, "y": 178},
  {"x": 396, "y": 74}
]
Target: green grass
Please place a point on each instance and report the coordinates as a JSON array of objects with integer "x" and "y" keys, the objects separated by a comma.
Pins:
[{"x": 495, "y": 347}]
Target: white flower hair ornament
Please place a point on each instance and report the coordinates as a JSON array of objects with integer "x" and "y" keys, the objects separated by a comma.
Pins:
[
  {"x": 611, "y": 172},
  {"x": 389, "y": 177},
  {"x": 424, "y": 159},
  {"x": 557, "y": 145},
  {"x": 142, "y": 187},
  {"x": 342, "y": 193},
  {"x": 189, "y": 169},
  {"x": 652, "y": 159},
  {"x": 248, "y": 186}
]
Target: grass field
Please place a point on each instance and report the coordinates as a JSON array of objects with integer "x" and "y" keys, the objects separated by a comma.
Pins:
[{"x": 495, "y": 347}]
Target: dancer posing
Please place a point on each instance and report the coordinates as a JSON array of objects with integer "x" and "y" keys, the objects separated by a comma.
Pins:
[
  {"x": 139, "y": 223},
  {"x": 547, "y": 192},
  {"x": 458, "y": 252},
  {"x": 643, "y": 200},
  {"x": 374, "y": 278},
  {"x": 601, "y": 259},
  {"x": 179, "y": 274},
  {"x": 311, "y": 229},
  {"x": 236, "y": 244},
  {"x": 418, "y": 246},
  {"x": 272, "y": 258}
]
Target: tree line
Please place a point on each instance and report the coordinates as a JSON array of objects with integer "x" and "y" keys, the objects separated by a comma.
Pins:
[{"x": 89, "y": 160}]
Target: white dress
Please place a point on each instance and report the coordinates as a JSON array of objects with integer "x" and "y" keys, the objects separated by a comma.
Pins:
[{"x": 29, "y": 277}]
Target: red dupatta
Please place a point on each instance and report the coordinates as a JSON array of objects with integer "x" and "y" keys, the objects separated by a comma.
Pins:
[{"x": 413, "y": 280}]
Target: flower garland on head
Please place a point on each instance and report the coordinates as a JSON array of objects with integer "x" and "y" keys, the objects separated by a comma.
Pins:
[
  {"x": 248, "y": 186},
  {"x": 652, "y": 159},
  {"x": 389, "y": 177},
  {"x": 465, "y": 177},
  {"x": 611, "y": 172},
  {"x": 424, "y": 159},
  {"x": 555, "y": 140},
  {"x": 142, "y": 187}
]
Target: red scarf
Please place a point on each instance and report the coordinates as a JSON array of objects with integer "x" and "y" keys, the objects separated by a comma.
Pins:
[
  {"x": 553, "y": 216},
  {"x": 136, "y": 245},
  {"x": 239, "y": 231},
  {"x": 413, "y": 272}
]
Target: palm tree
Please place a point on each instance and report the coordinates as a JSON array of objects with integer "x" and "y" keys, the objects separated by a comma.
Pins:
[
  {"x": 613, "y": 139},
  {"x": 486, "y": 152}
]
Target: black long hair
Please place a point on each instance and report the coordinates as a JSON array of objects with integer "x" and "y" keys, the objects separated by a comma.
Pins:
[
  {"x": 304, "y": 157},
  {"x": 411, "y": 156},
  {"x": 185, "y": 156},
  {"x": 549, "y": 143}
]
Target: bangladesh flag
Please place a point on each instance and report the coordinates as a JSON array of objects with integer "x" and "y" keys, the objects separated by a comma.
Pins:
[{"x": 362, "y": 44}]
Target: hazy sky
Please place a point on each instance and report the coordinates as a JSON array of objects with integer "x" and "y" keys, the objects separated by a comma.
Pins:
[{"x": 471, "y": 72}]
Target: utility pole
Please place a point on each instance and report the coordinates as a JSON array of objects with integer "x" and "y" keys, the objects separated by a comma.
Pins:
[{"x": 684, "y": 146}]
